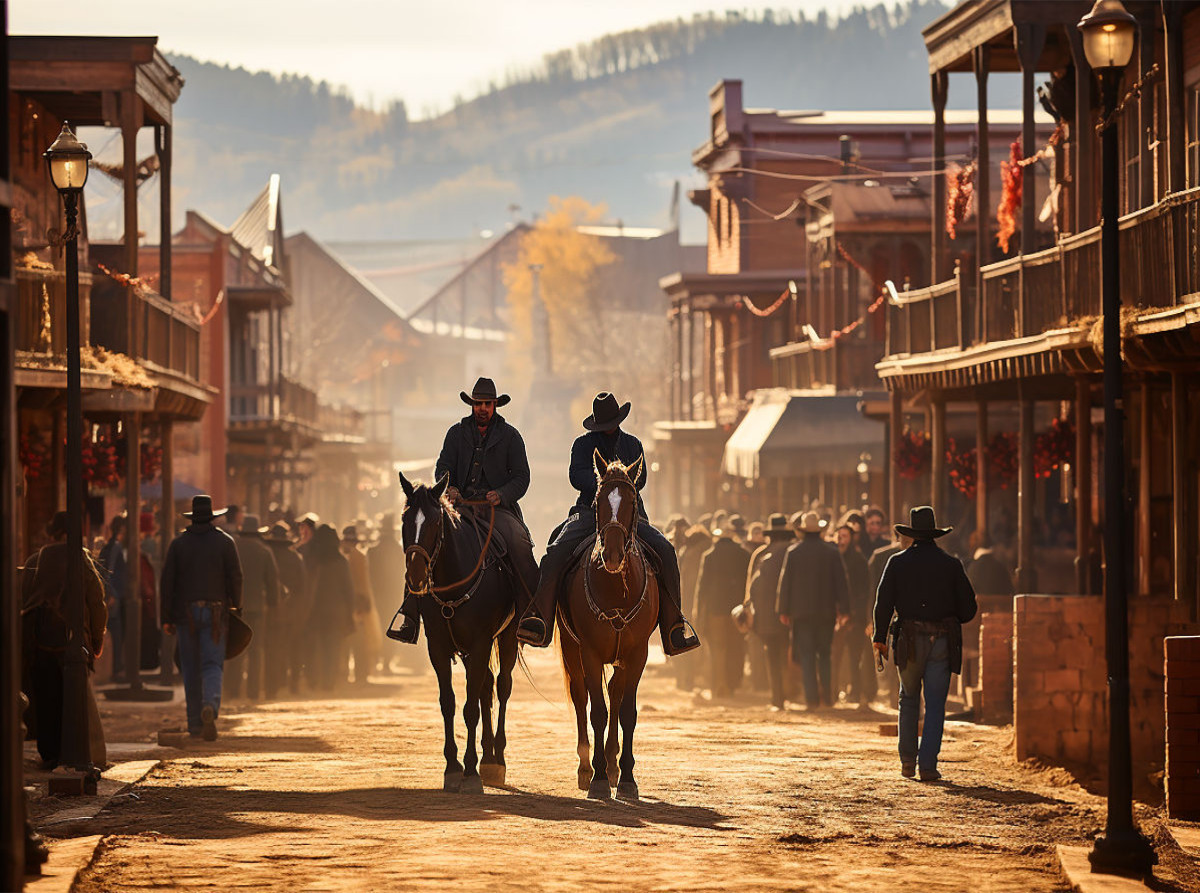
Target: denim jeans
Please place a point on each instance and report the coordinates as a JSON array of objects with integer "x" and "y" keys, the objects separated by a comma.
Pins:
[
  {"x": 928, "y": 664},
  {"x": 202, "y": 662}
]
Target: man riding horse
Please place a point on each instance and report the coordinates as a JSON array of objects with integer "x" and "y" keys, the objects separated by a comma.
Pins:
[
  {"x": 484, "y": 457},
  {"x": 606, "y": 438}
]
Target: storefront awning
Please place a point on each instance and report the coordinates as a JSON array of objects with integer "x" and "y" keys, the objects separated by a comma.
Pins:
[{"x": 785, "y": 434}]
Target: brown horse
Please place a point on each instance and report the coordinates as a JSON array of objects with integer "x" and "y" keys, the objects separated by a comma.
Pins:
[{"x": 606, "y": 619}]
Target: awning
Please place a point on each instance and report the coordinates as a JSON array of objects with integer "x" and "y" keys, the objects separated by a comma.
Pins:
[{"x": 785, "y": 434}]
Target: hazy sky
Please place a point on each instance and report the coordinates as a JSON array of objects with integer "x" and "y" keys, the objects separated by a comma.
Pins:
[{"x": 423, "y": 52}]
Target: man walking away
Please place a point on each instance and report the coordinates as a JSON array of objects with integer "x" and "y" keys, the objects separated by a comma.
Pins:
[
  {"x": 260, "y": 595},
  {"x": 930, "y": 596},
  {"x": 720, "y": 587},
  {"x": 812, "y": 598},
  {"x": 761, "y": 591},
  {"x": 853, "y": 638},
  {"x": 201, "y": 581},
  {"x": 285, "y": 648}
]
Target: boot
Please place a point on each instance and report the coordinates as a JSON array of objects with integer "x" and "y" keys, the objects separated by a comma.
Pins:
[
  {"x": 677, "y": 634},
  {"x": 411, "y": 627},
  {"x": 536, "y": 627}
]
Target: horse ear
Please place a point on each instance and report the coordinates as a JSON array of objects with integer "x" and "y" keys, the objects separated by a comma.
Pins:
[
  {"x": 440, "y": 487},
  {"x": 598, "y": 463},
  {"x": 405, "y": 485},
  {"x": 637, "y": 468}
]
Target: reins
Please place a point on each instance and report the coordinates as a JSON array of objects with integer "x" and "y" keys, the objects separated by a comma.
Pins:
[
  {"x": 615, "y": 617},
  {"x": 448, "y": 607}
]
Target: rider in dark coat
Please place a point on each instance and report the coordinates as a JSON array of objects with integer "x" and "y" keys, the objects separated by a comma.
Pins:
[
  {"x": 484, "y": 457},
  {"x": 606, "y": 437}
]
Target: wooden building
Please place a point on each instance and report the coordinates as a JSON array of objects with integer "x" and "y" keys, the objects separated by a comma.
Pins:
[{"x": 1019, "y": 333}]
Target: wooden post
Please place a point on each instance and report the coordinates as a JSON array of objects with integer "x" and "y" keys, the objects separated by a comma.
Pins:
[
  {"x": 162, "y": 138},
  {"x": 166, "y": 534},
  {"x": 1179, "y": 485},
  {"x": 1083, "y": 486},
  {"x": 133, "y": 549},
  {"x": 1176, "y": 111},
  {"x": 1031, "y": 38},
  {"x": 1145, "y": 396},
  {"x": 937, "y": 406},
  {"x": 130, "y": 123},
  {"x": 939, "y": 262},
  {"x": 1026, "y": 575},
  {"x": 983, "y": 212},
  {"x": 895, "y": 423},
  {"x": 1083, "y": 138},
  {"x": 981, "y": 484}
]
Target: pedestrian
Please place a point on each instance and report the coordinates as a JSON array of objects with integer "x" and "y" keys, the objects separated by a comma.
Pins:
[
  {"x": 721, "y": 586},
  {"x": 306, "y": 527},
  {"x": 696, "y": 541},
  {"x": 331, "y": 617},
  {"x": 151, "y": 633},
  {"x": 812, "y": 599},
  {"x": 927, "y": 591},
  {"x": 762, "y": 591},
  {"x": 876, "y": 529},
  {"x": 201, "y": 583},
  {"x": 44, "y": 582},
  {"x": 285, "y": 650},
  {"x": 987, "y": 573},
  {"x": 756, "y": 536},
  {"x": 260, "y": 596},
  {"x": 367, "y": 640},
  {"x": 852, "y": 640},
  {"x": 114, "y": 561},
  {"x": 385, "y": 561}
]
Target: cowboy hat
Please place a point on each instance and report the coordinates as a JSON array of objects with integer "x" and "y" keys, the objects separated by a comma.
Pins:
[
  {"x": 238, "y": 636},
  {"x": 808, "y": 522},
  {"x": 250, "y": 525},
  {"x": 485, "y": 389},
  {"x": 606, "y": 415},
  {"x": 279, "y": 532},
  {"x": 777, "y": 526},
  {"x": 202, "y": 510},
  {"x": 922, "y": 525},
  {"x": 350, "y": 534}
]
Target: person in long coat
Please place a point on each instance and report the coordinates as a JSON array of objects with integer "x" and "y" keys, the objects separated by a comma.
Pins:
[
  {"x": 331, "y": 617},
  {"x": 720, "y": 587},
  {"x": 367, "y": 639},
  {"x": 385, "y": 561},
  {"x": 852, "y": 639},
  {"x": 691, "y": 548},
  {"x": 762, "y": 589},
  {"x": 285, "y": 648},
  {"x": 812, "y": 598},
  {"x": 260, "y": 595}
]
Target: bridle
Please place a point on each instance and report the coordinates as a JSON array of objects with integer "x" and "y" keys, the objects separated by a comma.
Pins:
[
  {"x": 449, "y": 606},
  {"x": 615, "y": 617},
  {"x": 628, "y": 537}
]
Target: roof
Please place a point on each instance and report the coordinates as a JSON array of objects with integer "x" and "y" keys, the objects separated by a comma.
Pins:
[
  {"x": 260, "y": 228},
  {"x": 361, "y": 281}
]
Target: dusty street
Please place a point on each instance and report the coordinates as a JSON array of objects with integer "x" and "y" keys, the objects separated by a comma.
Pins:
[{"x": 346, "y": 795}]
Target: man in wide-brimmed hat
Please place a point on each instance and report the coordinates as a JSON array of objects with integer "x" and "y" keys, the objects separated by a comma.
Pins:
[
  {"x": 286, "y": 645},
  {"x": 260, "y": 596},
  {"x": 484, "y": 457},
  {"x": 201, "y": 583},
  {"x": 762, "y": 591},
  {"x": 606, "y": 438},
  {"x": 928, "y": 592}
]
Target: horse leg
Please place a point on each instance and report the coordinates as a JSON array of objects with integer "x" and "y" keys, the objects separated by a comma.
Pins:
[
  {"x": 616, "y": 689},
  {"x": 495, "y": 774},
  {"x": 477, "y": 671},
  {"x": 441, "y": 666},
  {"x": 488, "y": 745},
  {"x": 593, "y": 673},
  {"x": 572, "y": 660},
  {"x": 627, "y": 788}
]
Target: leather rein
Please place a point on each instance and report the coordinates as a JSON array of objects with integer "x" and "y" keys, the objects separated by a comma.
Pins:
[
  {"x": 615, "y": 617},
  {"x": 449, "y": 606}
]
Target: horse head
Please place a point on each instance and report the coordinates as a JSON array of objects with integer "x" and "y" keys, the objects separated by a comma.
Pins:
[
  {"x": 421, "y": 531},
  {"x": 616, "y": 511}
]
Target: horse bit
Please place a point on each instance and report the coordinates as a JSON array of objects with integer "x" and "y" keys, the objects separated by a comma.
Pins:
[
  {"x": 427, "y": 588},
  {"x": 614, "y": 616}
]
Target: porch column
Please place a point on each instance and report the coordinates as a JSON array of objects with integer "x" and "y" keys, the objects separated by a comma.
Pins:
[
  {"x": 1083, "y": 138},
  {"x": 1179, "y": 485},
  {"x": 1031, "y": 38},
  {"x": 939, "y": 261},
  {"x": 1083, "y": 486},
  {"x": 1026, "y": 574},
  {"x": 133, "y": 562},
  {"x": 894, "y": 426},
  {"x": 981, "y": 485},
  {"x": 983, "y": 211},
  {"x": 130, "y": 123},
  {"x": 162, "y": 139},
  {"x": 166, "y": 534},
  {"x": 937, "y": 406},
  {"x": 1145, "y": 395}
]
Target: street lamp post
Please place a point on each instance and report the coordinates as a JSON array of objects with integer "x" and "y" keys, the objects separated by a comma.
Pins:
[
  {"x": 67, "y": 159},
  {"x": 1109, "y": 33}
]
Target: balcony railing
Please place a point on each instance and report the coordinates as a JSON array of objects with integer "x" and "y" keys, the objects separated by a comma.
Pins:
[
  {"x": 168, "y": 335},
  {"x": 286, "y": 401},
  {"x": 846, "y": 364},
  {"x": 1030, "y": 294},
  {"x": 42, "y": 311}
]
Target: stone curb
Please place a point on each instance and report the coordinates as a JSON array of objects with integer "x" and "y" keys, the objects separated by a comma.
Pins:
[{"x": 1078, "y": 870}]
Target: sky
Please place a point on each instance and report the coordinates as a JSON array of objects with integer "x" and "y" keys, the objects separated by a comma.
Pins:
[{"x": 423, "y": 52}]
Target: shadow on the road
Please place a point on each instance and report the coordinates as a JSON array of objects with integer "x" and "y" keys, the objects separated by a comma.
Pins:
[
  {"x": 228, "y": 743},
  {"x": 229, "y": 812},
  {"x": 1001, "y": 796}
]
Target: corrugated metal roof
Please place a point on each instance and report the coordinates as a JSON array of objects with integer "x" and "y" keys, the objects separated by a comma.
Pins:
[{"x": 260, "y": 228}]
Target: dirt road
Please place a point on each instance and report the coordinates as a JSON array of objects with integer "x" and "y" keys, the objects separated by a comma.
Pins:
[{"x": 346, "y": 795}]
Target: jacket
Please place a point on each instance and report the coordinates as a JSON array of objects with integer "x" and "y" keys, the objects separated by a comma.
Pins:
[
  {"x": 260, "y": 574},
  {"x": 386, "y": 562},
  {"x": 695, "y": 544},
  {"x": 617, "y": 445},
  {"x": 721, "y": 584},
  {"x": 505, "y": 466},
  {"x": 812, "y": 583},
  {"x": 762, "y": 588},
  {"x": 202, "y": 565},
  {"x": 44, "y": 580},
  {"x": 331, "y": 594},
  {"x": 923, "y": 583},
  {"x": 858, "y": 580},
  {"x": 292, "y": 584}
]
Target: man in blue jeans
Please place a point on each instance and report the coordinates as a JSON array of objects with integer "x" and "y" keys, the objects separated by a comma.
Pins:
[
  {"x": 927, "y": 591},
  {"x": 201, "y": 583}
]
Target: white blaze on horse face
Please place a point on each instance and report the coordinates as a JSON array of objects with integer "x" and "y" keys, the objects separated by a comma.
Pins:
[
  {"x": 420, "y": 520},
  {"x": 614, "y": 499}
]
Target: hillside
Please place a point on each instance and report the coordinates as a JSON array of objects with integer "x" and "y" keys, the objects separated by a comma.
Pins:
[{"x": 614, "y": 121}]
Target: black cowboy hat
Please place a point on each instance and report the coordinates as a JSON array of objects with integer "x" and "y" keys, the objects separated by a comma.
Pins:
[
  {"x": 250, "y": 525},
  {"x": 606, "y": 415},
  {"x": 202, "y": 510},
  {"x": 921, "y": 525},
  {"x": 279, "y": 532},
  {"x": 777, "y": 526},
  {"x": 485, "y": 389}
]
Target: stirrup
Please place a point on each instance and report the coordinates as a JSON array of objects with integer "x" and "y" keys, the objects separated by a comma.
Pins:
[
  {"x": 687, "y": 642},
  {"x": 532, "y": 631},
  {"x": 407, "y": 633}
]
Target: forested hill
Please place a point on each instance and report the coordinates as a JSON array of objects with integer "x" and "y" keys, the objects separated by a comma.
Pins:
[{"x": 614, "y": 121}]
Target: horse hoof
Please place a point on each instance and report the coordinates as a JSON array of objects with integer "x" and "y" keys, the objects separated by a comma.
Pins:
[
  {"x": 492, "y": 774},
  {"x": 585, "y": 779},
  {"x": 471, "y": 784},
  {"x": 627, "y": 790},
  {"x": 452, "y": 781},
  {"x": 600, "y": 789}
]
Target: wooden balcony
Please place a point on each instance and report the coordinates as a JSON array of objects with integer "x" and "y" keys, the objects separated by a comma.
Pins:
[
  {"x": 928, "y": 319},
  {"x": 168, "y": 336},
  {"x": 41, "y": 327},
  {"x": 847, "y": 364},
  {"x": 284, "y": 404}
]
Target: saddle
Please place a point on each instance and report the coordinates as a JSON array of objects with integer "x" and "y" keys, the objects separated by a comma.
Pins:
[{"x": 584, "y": 549}]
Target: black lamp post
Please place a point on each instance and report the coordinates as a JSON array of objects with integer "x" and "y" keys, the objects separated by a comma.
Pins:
[
  {"x": 1109, "y": 33},
  {"x": 67, "y": 159}
]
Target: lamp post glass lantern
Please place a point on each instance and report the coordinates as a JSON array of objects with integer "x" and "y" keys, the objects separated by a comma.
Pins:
[
  {"x": 1109, "y": 34},
  {"x": 67, "y": 160}
]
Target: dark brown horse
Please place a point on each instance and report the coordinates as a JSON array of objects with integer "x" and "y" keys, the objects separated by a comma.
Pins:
[
  {"x": 468, "y": 607},
  {"x": 606, "y": 619}
]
